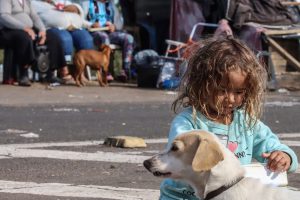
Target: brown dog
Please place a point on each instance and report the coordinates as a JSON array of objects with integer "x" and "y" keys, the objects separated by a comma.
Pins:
[{"x": 97, "y": 60}]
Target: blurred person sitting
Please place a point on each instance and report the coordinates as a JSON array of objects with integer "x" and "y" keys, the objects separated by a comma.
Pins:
[
  {"x": 103, "y": 13},
  {"x": 66, "y": 20},
  {"x": 20, "y": 28}
]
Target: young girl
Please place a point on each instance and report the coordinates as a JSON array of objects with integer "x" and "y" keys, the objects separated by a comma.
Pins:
[{"x": 221, "y": 92}]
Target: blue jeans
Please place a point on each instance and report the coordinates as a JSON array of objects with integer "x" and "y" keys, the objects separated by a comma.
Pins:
[{"x": 78, "y": 38}]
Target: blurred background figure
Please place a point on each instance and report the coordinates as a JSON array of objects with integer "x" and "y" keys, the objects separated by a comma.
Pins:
[
  {"x": 20, "y": 28},
  {"x": 66, "y": 20},
  {"x": 104, "y": 13}
]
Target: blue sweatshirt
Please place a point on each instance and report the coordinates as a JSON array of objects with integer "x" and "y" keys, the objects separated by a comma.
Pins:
[
  {"x": 104, "y": 14},
  {"x": 246, "y": 143}
]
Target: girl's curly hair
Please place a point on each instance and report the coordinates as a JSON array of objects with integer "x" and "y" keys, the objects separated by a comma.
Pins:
[{"x": 209, "y": 63}]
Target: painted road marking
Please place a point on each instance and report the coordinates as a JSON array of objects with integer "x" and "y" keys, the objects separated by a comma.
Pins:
[
  {"x": 35, "y": 150},
  {"x": 282, "y": 104},
  {"x": 288, "y": 135},
  {"x": 30, "y": 150},
  {"x": 99, "y": 156},
  {"x": 291, "y": 143},
  {"x": 98, "y": 142},
  {"x": 83, "y": 191}
]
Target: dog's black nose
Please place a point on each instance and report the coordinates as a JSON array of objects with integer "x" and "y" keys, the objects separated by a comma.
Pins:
[{"x": 147, "y": 164}]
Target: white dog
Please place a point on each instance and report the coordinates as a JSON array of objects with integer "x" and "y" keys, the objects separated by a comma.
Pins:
[{"x": 199, "y": 158}]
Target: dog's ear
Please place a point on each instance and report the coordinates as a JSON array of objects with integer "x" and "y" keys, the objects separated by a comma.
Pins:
[
  {"x": 207, "y": 155},
  {"x": 101, "y": 47}
]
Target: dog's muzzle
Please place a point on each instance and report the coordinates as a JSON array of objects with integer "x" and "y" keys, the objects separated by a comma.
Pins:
[{"x": 149, "y": 166}]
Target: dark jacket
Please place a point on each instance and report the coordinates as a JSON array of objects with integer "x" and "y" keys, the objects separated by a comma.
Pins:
[{"x": 270, "y": 12}]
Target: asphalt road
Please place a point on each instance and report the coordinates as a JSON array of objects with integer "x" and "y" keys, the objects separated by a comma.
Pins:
[{"x": 51, "y": 139}]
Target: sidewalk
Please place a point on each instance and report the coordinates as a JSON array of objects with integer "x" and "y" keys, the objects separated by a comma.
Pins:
[{"x": 39, "y": 94}]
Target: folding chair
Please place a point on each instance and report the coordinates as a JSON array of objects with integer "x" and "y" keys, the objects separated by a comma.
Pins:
[{"x": 197, "y": 29}]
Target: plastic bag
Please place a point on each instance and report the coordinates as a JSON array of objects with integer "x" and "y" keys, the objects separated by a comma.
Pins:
[
  {"x": 145, "y": 57},
  {"x": 171, "y": 74}
]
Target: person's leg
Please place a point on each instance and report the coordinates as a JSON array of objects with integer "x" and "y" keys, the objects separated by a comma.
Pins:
[
  {"x": 67, "y": 44},
  {"x": 100, "y": 37},
  {"x": 126, "y": 41},
  {"x": 23, "y": 47},
  {"x": 56, "y": 56},
  {"x": 23, "y": 52},
  {"x": 66, "y": 41},
  {"x": 82, "y": 39}
]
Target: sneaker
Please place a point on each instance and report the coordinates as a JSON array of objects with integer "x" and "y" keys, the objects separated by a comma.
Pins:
[
  {"x": 109, "y": 78},
  {"x": 8, "y": 82},
  {"x": 67, "y": 77},
  {"x": 24, "y": 81},
  {"x": 54, "y": 79}
]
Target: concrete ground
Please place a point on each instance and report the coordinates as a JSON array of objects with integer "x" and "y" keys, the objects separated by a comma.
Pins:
[{"x": 51, "y": 144}]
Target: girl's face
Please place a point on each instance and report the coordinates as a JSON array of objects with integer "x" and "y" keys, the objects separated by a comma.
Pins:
[{"x": 230, "y": 94}]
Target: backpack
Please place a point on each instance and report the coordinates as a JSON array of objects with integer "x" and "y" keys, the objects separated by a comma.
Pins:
[{"x": 42, "y": 62}]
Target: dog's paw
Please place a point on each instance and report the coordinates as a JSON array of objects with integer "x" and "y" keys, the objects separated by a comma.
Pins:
[{"x": 78, "y": 84}]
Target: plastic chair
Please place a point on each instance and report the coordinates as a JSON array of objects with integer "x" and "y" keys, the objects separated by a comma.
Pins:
[{"x": 180, "y": 45}]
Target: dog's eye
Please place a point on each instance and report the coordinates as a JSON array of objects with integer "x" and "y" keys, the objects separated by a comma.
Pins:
[{"x": 174, "y": 148}]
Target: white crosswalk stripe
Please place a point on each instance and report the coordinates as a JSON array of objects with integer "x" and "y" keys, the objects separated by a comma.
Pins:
[
  {"x": 288, "y": 135},
  {"x": 26, "y": 150},
  {"x": 99, "y": 156},
  {"x": 39, "y": 150},
  {"x": 71, "y": 190}
]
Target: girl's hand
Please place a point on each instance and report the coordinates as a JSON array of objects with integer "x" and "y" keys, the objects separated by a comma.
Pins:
[{"x": 278, "y": 161}]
